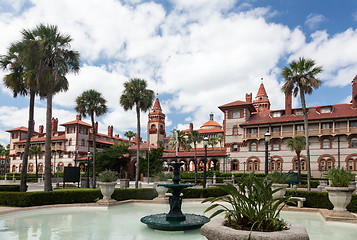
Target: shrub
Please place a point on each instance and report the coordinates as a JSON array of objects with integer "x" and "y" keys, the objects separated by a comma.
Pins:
[
  {"x": 203, "y": 192},
  {"x": 65, "y": 196},
  {"x": 313, "y": 199},
  {"x": 9, "y": 188},
  {"x": 278, "y": 177}
]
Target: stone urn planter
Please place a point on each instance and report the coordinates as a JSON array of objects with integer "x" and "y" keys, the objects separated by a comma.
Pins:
[
  {"x": 215, "y": 230},
  {"x": 107, "y": 189},
  {"x": 281, "y": 192},
  {"x": 161, "y": 191},
  {"x": 340, "y": 197}
]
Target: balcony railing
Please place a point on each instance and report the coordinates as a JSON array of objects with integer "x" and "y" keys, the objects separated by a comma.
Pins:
[{"x": 312, "y": 132}]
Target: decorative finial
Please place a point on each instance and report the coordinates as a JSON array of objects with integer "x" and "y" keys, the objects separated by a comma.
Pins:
[
  {"x": 211, "y": 117},
  {"x": 261, "y": 79}
]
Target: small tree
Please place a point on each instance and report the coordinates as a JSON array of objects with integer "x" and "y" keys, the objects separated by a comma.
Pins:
[
  {"x": 212, "y": 142},
  {"x": 297, "y": 144},
  {"x": 36, "y": 150},
  {"x": 155, "y": 162},
  {"x": 220, "y": 139},
  {"x": 129, "y": 135},
  {"x": 195, "y": 138},
  {"x": 112, "y": 158}
]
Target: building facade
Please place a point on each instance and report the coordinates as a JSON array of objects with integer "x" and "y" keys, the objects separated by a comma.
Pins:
[{"x": 69, "y": 147}]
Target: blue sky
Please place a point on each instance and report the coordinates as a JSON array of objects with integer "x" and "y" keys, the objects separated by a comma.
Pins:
[{"x": 196, "y": 55}]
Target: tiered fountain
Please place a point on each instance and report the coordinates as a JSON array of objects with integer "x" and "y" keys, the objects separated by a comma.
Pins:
[{"x": 175, "y": 220}]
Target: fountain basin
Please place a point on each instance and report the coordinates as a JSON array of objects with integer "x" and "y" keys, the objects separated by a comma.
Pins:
[{"x": 159, "y": 222}]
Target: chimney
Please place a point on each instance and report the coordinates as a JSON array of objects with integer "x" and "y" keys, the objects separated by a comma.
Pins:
[
  {"x": 110, "y": 131},
  {"x": 191, "y": 127},
  {"x": 54, "y": 125},
  {"x": 288, "y": 108},
  {"x": 40, "y": 129},
  {"x": 248, "y": 97},
  {"x": 117, "y": 135},
  {"x": 354, "y": 92},
  {"x": 78, "y": 117},
  {"x": 96, "y": 127}
]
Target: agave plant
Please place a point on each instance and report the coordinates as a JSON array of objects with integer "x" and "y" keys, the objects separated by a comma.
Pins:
[
  {"x": 107, "y": 176},
  {"x": 250, "y": 205},
  {"x": 340, "y": 177}
]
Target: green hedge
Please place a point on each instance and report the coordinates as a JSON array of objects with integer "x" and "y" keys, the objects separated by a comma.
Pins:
[
  {"x": 65, "y": 196},
  {"x": 203, "y": 192},
  {"x": 9, "y": 188}
]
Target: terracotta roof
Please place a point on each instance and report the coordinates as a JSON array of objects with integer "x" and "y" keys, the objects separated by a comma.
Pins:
[
  {"x": 338, "y": 111},
  {"x": 211, "y": 124},
  {"x": 143, "y": 146},
  {"x": 261, "y": 91},
  {"x": 42, "y": 139},
  {"x": 76, "y": 122},
  {"x": 237, "y": 104},
  {"x": 23, "y": 129},
  {"x": 211, "y": 130}
]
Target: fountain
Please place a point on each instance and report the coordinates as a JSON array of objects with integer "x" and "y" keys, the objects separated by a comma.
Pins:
[{"x": 175, "y": 220}]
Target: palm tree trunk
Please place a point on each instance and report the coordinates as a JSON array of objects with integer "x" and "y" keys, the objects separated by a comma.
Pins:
[
  {"x": 138, "y": 146},
  {"x": 299, "y": 166},
  {"x": 48, "y": 174},
  {"x": 23, "y": 186},
  {"x": 36, "y": 167},
  {"x": 194, "y": 144},
  {"x": 94, "y": 149},
  {"x": 303, "y": 105}
]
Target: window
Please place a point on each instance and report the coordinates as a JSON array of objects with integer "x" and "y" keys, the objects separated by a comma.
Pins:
[
  {"x": 83, "y": 142},
  {"x": 70, "y": 142},
  {"x": 325, "y": 110},
  {"x": 299, "y": 112},
  {"x": 326, "y": 164},
  {"x": 354, "y": 142},
  {"x": 82, "y": 130},
  {"x": 353, "y": 123},
  {"x": 61, "y": 166},
  {"x": 30, "y": 167},
  {"x": 253, "y": 130},
  {"x": 276, "y": 114},
  {"x": 275, "y": 129},
  {"x": 325, "y": 126},
  {"x": 235, "y": 131},
  {"x": 275, "y": 146},
  {"x": 253, "y": 146},
  {"x": 272, "y": 165},
  {"x": 237, "y": 114},
  {"x": 326, "y": 143},
  {"x": 235, "y": 147},
  {"x": 235, "y": 165},
  {"x": 255, "y": 166},
  {"x": 70, "y": 130},
  {"x": 278, "y": 165},
  {"x": 299, "y": 127},
  {"x": 250, "y": 166},
  {"x": 351, "y": 163},
  {"x": 153, "y": 126},
  {"x": 303, "y": 164}
]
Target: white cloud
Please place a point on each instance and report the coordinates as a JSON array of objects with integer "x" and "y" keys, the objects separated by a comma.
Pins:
[{"x": 313, "y": 20}]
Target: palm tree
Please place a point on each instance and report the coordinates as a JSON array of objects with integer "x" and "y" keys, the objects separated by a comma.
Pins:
[
  {"x": 36, "y": 150},
  {"x": 129, "y": 135},
  {"x": 300, "y": 78},
  {"x": 22, "y": 61},
  {"x": 91, "y": 103},
  {"x": 56, "y": 60},
  {"x": 220, "y": 139},
  {"x": 212, "y": 141},
  {"x": 178, "y": 140},
  {"x": 195, "y": 138},
  {"x": 136, "y": 94},
  {"x": 297, "y": 144}
]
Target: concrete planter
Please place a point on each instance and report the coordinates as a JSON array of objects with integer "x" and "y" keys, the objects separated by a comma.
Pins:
[
  {"x": 161, "y": 191},
  {"x": 107, "y": 189},
  {"x": 280, "y": 193},
  {"x": 340, "y": 197},
  {"x": 215, "y": 230}
]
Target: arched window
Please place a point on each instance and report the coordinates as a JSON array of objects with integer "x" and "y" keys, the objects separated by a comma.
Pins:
[
  {"x": 303, "y": 165},
  {"x": 354, "y": 142},
  {"x": 153, "y": 126},
  {"x": 13, "y": 168},
  {"x": 250, "y": 166},
  {"x": 40, "y": 167},
  {"x": 235, "y": 165},
  {"x": 30, "y": 167},
  {"x": 351, "y": 162},
  {"x": 70, "y": 142},
  {"x": 69, "y": 165},
  {"x": 325, "y": 163}
]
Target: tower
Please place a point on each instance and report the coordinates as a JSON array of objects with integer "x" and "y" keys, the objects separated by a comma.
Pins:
[
  {"x": 261, "y": 102},
  {"x": 156, "y": 124}
]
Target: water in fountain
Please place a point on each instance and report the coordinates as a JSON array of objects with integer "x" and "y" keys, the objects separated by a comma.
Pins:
[{"x": 175, "y": 220}]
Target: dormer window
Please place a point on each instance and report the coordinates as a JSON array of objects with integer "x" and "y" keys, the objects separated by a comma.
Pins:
[
  {"x": 326, "y": 110},
  {"x": 237, "y": 114},
  {"x": 299, "y": 112},
  {"x": 276, "y": 114}
]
